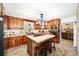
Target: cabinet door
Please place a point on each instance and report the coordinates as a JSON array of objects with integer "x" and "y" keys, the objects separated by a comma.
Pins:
[
  {"x": 5, "y": 22},
  {"x": 16, "y": 41},
  {"x": 29, "y": 47},
  {"x": 37, "y": 26},
  {"x": 12, "y": 23},
  {"x": 20, "y": 23},
  {"x": 11, "y": 42},
  {"x": 20, "y": 40},
  {"x": 6, "y": 43},
  {"x": 24, "y": 40}
]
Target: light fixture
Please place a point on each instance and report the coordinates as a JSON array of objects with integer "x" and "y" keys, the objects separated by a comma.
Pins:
[{"x": 41, "y": 21}]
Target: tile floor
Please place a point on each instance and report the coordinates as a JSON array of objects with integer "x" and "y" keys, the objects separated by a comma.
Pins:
[{"x": 64, "y": 48}]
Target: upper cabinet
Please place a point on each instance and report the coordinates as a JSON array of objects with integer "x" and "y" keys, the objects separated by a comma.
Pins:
[
  {"x": 11, "y": 22},
  {"x": 19, "y": 21},
  {"x": 1, "y": 9},
  {"x": 37, "y": 26},
  {"x": 52, "y": 23}
]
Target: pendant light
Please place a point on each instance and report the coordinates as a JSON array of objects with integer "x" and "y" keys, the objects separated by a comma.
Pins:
[{"x": 41, "y": 21}]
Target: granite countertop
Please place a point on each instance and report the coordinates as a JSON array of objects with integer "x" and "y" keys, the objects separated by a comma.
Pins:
[
  {"x": 40, "y": 39},
  {"x": 14, "y": 35}
]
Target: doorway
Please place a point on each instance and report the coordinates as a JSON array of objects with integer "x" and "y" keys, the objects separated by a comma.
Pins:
[{"x": 67, "y": 38}]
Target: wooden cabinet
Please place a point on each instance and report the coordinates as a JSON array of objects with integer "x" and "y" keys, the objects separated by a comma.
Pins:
[
  {"x": 6, "y": 43},
  {"x": 11, "y": 22},
  {"x": 38, "y": 49},
  {"x": 24, "y": 41},
  {"x": 10, "y": 42},
  {"x": 20, "y": 23},
  {"x": 52, "y": 23},
  {"x": 15, "y": 41},
  {"x": 29, "y": 47},
  {"x": 55, "y": 29},
  {"x": 67, "y": 35},
  {"x": 21, "y": 40},
  {"x": 37, "y": 26}
]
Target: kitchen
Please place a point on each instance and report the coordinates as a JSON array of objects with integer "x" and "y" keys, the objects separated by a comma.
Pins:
[
  {"x": 24, "y": 36},
  {"x": 17, "y": 36}
]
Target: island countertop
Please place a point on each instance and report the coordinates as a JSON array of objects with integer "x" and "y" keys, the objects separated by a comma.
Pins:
[{"x": 40, "y": 39}]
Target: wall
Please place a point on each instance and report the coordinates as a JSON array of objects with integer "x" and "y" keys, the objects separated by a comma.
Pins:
[
  {"x": 78, "y": 28},
  {"x": 69, "y": 19},
  {"x": 73, "y": 20}
]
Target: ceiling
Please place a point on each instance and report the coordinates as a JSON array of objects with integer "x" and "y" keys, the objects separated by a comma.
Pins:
[{"x": 32, "y": 11}]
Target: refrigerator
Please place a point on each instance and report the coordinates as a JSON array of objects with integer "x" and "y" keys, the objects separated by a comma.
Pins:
[{"x": 1, "y": 37}]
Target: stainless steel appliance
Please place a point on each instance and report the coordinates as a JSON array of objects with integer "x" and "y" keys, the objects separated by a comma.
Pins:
[{"x": 1, "y": 37}]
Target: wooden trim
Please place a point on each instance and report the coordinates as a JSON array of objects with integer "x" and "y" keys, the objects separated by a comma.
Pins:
[
  {"x": 54, "y": 19},
  {"x": 29, "y": 20}
]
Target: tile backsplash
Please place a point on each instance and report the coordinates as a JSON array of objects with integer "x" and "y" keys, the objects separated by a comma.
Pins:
[
  {"x": 16, "y": 32},
  {"x": 13, "y": 32}
]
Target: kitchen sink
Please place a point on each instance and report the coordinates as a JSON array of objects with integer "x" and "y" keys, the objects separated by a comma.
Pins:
[{"x": 37, "y": 34}]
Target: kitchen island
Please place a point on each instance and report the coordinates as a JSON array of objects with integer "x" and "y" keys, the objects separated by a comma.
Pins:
[{"x": 39, "y": 45}]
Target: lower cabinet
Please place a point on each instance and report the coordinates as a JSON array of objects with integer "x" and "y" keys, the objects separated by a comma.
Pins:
[
  {"x": 67, "y": 35},
  {"x": 22, "y": 40},
  {"x": 10, "y": 42},
  {"x": 56, "y": 40}
]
